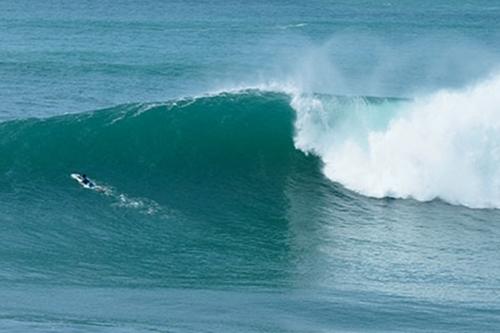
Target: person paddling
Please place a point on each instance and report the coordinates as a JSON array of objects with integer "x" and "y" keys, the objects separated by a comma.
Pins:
[{"x": 85, "y": 180}]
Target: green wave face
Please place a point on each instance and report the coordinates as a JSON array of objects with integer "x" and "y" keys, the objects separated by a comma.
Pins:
[{"x": 162, "y": 140}]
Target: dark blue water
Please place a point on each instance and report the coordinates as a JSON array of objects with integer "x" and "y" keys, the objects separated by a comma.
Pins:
[{"x": 260, "y": 167}]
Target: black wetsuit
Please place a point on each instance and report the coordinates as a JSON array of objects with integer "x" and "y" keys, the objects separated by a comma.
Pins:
[{"x": 86, "y": 181}]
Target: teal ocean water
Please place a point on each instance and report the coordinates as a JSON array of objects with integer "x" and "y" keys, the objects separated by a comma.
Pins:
[{"x": 261, "y": 167}]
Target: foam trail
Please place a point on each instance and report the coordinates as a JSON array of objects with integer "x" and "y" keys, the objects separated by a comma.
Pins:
[
  {"x": 446, "y": 145},
  {"x": 146, "y": 206}
]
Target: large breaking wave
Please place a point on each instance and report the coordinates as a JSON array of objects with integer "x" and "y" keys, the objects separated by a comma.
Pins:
[{"x": 446, "y": 145}]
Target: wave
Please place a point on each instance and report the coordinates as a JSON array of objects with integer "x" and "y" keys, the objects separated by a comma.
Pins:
[
  {"x": 226, "y": 147},
  {"x": 442, "y": 146}
]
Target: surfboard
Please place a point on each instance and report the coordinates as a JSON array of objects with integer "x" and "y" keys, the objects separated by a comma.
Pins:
[{"x": 79, "y": 179}]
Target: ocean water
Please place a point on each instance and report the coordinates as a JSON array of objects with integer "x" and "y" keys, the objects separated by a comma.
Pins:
[{"x": 264, "y": 166}]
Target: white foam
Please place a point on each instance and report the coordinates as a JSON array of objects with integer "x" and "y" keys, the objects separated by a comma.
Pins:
[
  {"x": 446, "y": 145},
  {"x": 291, "y": 26}
]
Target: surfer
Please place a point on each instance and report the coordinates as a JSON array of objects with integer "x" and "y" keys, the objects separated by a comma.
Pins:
[{"x": 85, "y": 180}]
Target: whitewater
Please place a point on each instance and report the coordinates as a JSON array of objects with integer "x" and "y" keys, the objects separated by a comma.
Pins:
[{"x": 445, "y": 145}]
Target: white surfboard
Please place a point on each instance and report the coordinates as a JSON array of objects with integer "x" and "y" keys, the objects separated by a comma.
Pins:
[{"x": 79, "y": 179}]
